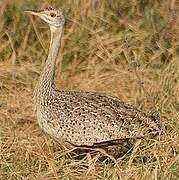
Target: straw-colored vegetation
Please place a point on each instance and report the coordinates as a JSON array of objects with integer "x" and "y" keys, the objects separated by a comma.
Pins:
[{"x": 121, "y": 47}]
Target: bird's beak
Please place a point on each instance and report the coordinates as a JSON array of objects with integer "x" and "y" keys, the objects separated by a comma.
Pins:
[{"x": 35, "y": 13}]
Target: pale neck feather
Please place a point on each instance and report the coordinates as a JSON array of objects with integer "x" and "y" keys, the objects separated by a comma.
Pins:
[{"x": 48, "y": 73}]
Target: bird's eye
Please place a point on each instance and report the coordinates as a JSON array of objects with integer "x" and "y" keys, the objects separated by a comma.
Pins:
[{"x": 52, "y": 14}]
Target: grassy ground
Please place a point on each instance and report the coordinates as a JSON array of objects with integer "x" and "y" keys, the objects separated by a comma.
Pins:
[{"x": 125, "y": 48}]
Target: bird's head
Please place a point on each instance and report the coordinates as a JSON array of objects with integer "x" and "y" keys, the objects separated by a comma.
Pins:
[{"x": 53, "y": 17}]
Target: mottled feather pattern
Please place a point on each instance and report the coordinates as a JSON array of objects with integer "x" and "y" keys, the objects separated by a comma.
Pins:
[{"x": 88, "y": 118}]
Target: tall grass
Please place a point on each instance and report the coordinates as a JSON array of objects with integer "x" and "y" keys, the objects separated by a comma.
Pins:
[{"x": 129, "y": 49}]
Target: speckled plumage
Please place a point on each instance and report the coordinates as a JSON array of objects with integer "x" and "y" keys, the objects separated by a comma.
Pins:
[{"x": 83, "y": 118}]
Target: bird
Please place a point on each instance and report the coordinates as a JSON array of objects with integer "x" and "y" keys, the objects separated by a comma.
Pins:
[{"x": 82, "y": 118}]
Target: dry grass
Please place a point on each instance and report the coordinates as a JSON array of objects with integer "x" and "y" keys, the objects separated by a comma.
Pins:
[{"x": 125, "y": 48}]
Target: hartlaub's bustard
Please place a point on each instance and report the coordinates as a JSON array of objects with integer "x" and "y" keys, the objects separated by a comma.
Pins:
[{"x": 82, "y": 118}]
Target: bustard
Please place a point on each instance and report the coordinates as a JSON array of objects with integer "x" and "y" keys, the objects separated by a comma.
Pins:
[{"x": 83, "y": 118}]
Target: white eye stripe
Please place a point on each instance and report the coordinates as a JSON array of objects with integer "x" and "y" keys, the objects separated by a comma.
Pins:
[{"x": 46, "y": 18}]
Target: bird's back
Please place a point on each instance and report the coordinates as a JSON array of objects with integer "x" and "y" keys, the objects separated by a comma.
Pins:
[{"x": 88, "y": 118}]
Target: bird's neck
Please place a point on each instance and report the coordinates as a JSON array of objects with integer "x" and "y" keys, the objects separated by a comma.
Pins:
[{"x": 47, "y": 76}]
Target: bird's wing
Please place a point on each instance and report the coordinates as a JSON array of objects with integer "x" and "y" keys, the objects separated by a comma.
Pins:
[{"x": 91, "y": 118}]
